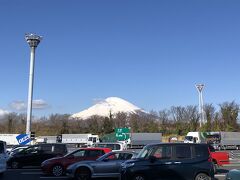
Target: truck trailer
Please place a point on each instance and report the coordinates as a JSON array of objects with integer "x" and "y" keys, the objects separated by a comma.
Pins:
[
  {"x": 227, "y": 140},
  {"x": 10, "y": 139},
  {"x": 139, "y": 140},
  {"x": 219, "y": 140},
  {"x": 80, "y": 139}
]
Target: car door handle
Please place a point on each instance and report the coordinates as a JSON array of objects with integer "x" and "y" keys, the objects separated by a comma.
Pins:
[
  {"x": 177, "y": 162},
  {"x": 168, "y": 163}
]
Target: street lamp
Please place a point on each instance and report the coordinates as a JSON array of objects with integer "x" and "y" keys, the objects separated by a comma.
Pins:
[
  {"x": 33, "y": 40},
  {"x": 200, "y": 98}
]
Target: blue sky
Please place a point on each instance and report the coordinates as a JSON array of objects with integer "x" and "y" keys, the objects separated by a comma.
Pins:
[{"x": 149, "y": 52}]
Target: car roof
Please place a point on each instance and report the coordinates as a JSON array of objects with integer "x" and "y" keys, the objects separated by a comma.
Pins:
[
  {"x": 125, "y": 151},
  {"x": 178, "y": 143},
  {"x": 95, "y": 148},
  {"x": 109, "y": 143}
]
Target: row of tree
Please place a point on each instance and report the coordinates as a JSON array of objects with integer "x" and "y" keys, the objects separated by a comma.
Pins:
[{"x": 177, "y": 120}]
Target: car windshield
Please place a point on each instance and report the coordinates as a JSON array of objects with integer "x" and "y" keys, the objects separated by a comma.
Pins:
[
  {"x": 112, "y": 146},
  {"x": 73, "y": 153},
  {"x": 145, "y": 152},
  {"x": 189, "y": 138},
  {"x": 30, "y": 149},
  {"x": 104, "y": 156},
  {"x": 159, "y": 152}
]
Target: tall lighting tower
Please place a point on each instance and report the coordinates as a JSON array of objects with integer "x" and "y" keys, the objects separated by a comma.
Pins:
[
  {"x": 33, "y": 40},
  {"x": 201, "y": 107}
]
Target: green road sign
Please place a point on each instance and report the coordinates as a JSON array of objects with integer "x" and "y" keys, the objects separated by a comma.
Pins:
[{"x": 122, "y": 134}]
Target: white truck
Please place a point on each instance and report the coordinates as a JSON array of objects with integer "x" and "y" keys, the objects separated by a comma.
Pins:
[
  {"x": 195, "y": 137},
  {"x": 80, "y": 139},
  {"x": 10, "y": 139}
]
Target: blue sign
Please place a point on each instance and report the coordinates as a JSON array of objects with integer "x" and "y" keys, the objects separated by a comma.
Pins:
[{"x": 23, "y": 139}]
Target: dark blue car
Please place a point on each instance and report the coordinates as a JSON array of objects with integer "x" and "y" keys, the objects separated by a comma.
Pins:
[{"x": 170, "y": 161}]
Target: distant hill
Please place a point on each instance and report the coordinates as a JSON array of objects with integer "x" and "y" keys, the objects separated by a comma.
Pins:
[{"x": 104, "y": 107}]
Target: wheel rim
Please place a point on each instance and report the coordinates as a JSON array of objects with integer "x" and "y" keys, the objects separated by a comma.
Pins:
[
  {"x": 139, "y": 178},
  {"x": 82, "y": 174},
  {"x": 57, "y": 170},
  {"x": 14, "y": 164},
  {"x": 202, "y": 177}
]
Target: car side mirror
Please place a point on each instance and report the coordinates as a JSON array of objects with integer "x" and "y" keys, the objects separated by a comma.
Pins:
[{"x": 152, "y": 159}]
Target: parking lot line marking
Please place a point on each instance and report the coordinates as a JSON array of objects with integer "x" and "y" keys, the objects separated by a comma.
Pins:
[
  {"x": 233, "y": 164},
  {"x": 50, "y": 177},
  {"x": 23, "y": 170},
  {"x": 31, "y": 173},
  {"x": 219, "y": 175}
]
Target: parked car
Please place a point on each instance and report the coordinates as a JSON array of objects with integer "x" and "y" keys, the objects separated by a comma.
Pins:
[
  {"x": 115, "y": 146},
  {"x": 219, "y": 158},
  {"x": 34, "y": 155},
  {"x": 175, "y": 161},
  {"x": 57, "y": 166},
  {"x": 3, "y": 157},
  {"x": 107, "y": 165},
  {"x": 233, "y": 174}
]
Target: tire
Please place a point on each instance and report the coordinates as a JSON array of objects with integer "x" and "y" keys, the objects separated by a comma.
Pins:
[
  {"x": 15, "y": 165},
  {"x": 215, "y": 167},
  {"x": 57, "y": 170},
  {"x": 83, "y": 174},
  {"x": 202, "y": 176},
  {"x": 139, "y": 177}
]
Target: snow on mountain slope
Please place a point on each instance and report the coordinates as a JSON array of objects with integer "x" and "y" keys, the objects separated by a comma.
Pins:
[{"x": 103, "y": 108}]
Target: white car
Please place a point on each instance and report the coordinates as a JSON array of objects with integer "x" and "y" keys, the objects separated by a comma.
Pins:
[{"x": 3, "y": 157}]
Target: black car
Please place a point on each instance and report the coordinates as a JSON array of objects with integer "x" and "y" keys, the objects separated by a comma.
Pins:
[
  {"x": 105, "y": 166},
  {"x": 175, "y": 161},
  {"x": 34, "y": 155}
]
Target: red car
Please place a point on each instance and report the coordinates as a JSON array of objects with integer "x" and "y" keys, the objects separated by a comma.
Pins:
[
  {"x": 57, "y": 166},
  {"x": 219, "y": 158}
]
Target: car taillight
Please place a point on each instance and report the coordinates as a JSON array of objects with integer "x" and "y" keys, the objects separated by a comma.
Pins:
[
  {"x": 210, "y": 159},
  {"x": 210, "y": 155}
]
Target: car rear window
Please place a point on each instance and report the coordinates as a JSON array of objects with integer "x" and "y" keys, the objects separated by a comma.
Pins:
[
  {"x": 47, "y": 148},
  {"x": 53, "y": 148},
  {"x": 183, "y": 152},
  {"x": 201, "y": 151},
  {"x": 95, "y": 153},
  {"x": 60, "y": 148},
  {"x": 111, "y": 146}
]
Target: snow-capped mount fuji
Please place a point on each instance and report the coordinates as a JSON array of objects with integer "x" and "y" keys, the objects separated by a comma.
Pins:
[{"x": 104, "y": 107}]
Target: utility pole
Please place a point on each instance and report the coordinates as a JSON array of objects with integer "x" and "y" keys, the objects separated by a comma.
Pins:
[
  {"x": 200, "y": 100},
  {"x": 33, "y": 40}
]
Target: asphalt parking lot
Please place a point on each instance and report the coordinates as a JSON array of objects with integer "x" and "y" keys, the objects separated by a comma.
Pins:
[
  {"x": 29, "y": 174},
  {"x": 36, "y": 173}
]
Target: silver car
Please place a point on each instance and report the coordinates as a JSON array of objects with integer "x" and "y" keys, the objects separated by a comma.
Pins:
[
  {"x": 107, "y": 165},
  {"x": 233, "y": 174}
]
